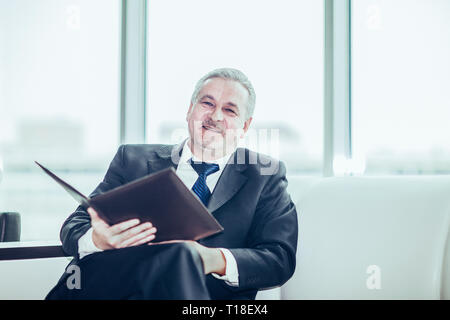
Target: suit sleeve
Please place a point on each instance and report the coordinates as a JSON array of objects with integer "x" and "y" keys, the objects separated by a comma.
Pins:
[
  {"x": 270, "y": 257},
  {"x": 78, "y": 223}
]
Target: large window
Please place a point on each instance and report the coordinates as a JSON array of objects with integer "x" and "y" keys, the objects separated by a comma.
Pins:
[
  {"x": 401, "y": 85},
  {"x": 279, "y": 45},
  {"x": 60, "y": 85},
  {"x": 59, "y": 104}
]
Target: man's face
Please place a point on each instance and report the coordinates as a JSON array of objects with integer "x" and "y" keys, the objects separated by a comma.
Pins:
[{"x": 217, "y": 119}]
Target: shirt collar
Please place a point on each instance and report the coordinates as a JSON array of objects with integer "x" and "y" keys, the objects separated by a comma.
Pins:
[{"x": 187, "y": 155}]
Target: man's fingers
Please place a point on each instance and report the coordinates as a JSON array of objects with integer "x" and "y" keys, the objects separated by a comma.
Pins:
[
  {"x": 122, "y": 237},
  {"x": 167, "y": 241},
  {"x": 145, "y": 240},
  {"x": 124, "y": 234},
  {"x": 136, "y": 234},
  {"x": 141, "y": 238},
  {"x": 121, "y": 227}
]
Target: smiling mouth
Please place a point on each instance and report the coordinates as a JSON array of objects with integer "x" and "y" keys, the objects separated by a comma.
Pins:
[{"x": 212, "y": 129}]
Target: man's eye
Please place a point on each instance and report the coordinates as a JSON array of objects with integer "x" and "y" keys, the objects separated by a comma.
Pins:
[
  {"x": 209, "y": 104},
  {"x": 230, "y": 110}
]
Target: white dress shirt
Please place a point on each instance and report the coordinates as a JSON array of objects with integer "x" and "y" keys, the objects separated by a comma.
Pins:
[{"x": 189, "y": 176}]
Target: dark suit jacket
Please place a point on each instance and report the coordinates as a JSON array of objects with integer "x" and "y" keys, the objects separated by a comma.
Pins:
[{"x": 258, "y": 216}]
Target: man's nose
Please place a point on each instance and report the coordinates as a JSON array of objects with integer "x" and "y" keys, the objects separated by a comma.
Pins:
[{"x": 217, "y": 115}]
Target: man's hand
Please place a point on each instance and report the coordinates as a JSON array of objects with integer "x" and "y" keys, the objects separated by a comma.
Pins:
[
  {"x": 212, "y": 258},
  {"x": 125, "y": 234}
]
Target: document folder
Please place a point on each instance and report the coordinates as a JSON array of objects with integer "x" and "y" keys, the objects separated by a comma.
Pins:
[{"x": 161, "y": 198}]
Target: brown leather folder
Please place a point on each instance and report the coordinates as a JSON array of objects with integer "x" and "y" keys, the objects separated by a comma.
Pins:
[{"x": 161, "y": 198}]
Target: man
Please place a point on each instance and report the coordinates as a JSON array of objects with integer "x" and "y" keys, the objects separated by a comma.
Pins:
[{"x": 257, "y": 248}]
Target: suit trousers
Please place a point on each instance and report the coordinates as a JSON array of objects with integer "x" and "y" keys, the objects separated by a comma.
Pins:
[{"x": 164, "y": 271}]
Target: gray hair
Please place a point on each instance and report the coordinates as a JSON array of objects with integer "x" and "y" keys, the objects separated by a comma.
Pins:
[{"x": 230, "y": 74}]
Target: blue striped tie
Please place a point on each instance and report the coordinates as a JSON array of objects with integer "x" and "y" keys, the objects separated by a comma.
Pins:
[{"x": 200, "y": 187}]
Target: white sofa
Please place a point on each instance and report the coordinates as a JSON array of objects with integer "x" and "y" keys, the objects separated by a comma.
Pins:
[
  {"x": 373, "y": 238},
  {"x": 359, "y": 238}
]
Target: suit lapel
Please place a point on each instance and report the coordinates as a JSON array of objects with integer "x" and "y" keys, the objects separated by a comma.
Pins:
[
  {"x": 167, "y": 156},
  {"x": 230, "y": 182}
]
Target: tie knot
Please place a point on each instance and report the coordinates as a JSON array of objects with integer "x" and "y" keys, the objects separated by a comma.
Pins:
[{"x": 204, "y": 168}]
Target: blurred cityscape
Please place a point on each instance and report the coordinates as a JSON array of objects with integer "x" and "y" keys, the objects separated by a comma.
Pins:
[{"x": 60, "y": 146}]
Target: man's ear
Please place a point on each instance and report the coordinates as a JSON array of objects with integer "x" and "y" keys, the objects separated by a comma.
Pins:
[{"x": 246, "y": 126}]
